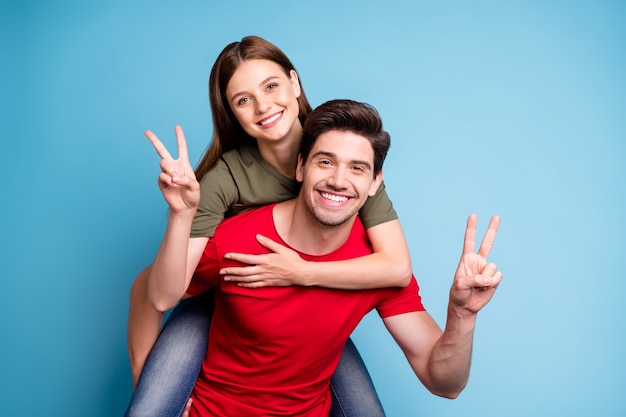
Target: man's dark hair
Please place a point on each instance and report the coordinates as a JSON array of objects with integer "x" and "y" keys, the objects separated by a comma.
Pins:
[{"x": 349, "y": 116}]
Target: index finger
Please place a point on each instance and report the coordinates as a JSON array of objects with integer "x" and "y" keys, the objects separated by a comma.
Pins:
[
  {"x": 158, "y": 145},
  {"x": 182, "y": 143},
  {"x": 469, "y": 241},
  {"x": 490, "y": 237}
]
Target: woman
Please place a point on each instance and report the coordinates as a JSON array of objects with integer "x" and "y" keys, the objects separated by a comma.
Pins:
[{"x": 258, "y": 109}]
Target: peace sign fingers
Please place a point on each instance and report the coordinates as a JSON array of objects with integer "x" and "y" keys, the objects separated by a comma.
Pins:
[
  {"x": 158, "y": 145},
  {"x": 475, "y": 279},
  {"x": 182, "y": 144},
  {"x": 469, "y": 242},
  {"x": 470, "y": 236},
  {"x": 177, "y": 180}
]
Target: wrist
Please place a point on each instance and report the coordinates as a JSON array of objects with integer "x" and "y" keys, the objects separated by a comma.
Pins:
[
  {"x": 461, "y": 313},
  {"x": 305, "y": 276},
  {"x": 185, "y": 215}
]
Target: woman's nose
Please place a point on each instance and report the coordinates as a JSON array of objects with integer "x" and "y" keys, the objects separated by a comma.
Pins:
[{"x": 263, "y": 105}]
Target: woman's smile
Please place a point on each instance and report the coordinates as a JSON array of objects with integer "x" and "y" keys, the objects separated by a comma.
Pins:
[{"x": 271, "y": 121}]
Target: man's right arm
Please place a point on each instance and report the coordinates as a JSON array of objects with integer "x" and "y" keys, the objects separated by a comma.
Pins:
[{"x": 442, "y": 360}]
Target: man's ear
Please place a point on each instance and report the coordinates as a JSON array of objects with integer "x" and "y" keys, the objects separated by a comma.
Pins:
[
  {"x": 295, "y": 82},
  {"x": 375, "y": 184},
  {"x": 299, "y": 169}
]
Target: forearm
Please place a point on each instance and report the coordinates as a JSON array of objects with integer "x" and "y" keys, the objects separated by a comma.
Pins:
[
  {"x": 450, "y": 358},
  {"x": 388, "y": 266},
  {"x": 144, "y": 325},
  {"x": 377, "y": 270},
  {"x": 168, "y": 276}
]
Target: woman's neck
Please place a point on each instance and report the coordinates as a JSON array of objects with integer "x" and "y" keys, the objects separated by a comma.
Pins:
[{"x": 282, "y": 155}]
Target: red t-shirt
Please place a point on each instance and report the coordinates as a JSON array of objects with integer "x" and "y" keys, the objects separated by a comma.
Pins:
[{"x": 272, "y": 350}]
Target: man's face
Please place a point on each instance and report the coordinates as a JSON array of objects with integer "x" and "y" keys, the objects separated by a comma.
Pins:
[{"x": 337, "y": 177}]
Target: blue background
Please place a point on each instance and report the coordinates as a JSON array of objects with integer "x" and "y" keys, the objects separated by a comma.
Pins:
[{"x": 515, "y": 108}]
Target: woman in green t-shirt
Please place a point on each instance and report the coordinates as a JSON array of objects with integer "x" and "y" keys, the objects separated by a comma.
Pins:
[{"x": 258, "y": 109}]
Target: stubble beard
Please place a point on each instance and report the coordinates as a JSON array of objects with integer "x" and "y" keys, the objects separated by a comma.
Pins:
[{"x": 328, "y": 219}]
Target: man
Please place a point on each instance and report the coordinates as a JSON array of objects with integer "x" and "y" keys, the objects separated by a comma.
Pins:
[{"x": 272, "y": 350}]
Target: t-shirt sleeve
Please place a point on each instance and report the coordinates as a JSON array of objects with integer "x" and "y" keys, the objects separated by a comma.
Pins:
[
  {"x": 404, "y": 300},
  {"x": 377, "y": 209},
  {"x": 218, "y": 192},
  {"x": 207, "y": 274}
]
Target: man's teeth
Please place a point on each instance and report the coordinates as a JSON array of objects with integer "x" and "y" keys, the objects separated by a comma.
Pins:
[
  {"x": 271, "y": 119},
  {"x": 335, "y": 198}
]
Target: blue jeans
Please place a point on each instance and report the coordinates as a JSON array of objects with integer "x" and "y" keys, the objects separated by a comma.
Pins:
[{"x": 175, "y": 361}]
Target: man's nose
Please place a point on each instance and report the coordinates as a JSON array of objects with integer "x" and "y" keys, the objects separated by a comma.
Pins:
[{"x": 338, "y": 178}]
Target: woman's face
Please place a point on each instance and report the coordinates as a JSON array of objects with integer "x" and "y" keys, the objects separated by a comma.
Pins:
[{"x": 264, "y": 99}]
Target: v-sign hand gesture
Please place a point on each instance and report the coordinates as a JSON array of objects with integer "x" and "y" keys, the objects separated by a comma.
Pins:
[
  {"x": 475, "y": 280},
  {"x": 177, "y": 180}
]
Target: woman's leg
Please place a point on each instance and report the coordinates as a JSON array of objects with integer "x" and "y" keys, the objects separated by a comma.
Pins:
[
  {"x": 353, "y": 393},
  {"x": 174, "y": 363}
]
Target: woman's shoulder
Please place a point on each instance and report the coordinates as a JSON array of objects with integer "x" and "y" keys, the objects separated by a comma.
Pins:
[
  {"x": 244, "y": 155},
  {"x": 234, "y": 164}
]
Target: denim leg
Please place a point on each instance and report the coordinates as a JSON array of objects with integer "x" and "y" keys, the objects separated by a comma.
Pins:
[
  {"x": 353, "y": 393},
  {"x": 174, "y": 363}
]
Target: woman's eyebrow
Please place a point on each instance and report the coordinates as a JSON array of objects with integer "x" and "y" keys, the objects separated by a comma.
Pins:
[{"x": 244, "y": 92}]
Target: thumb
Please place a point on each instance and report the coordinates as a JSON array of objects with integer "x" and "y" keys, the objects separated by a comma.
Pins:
[{"x": 269, "y": 244}]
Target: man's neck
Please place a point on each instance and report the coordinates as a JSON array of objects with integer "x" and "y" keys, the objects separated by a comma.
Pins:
[{"x": 300, "y": 230}]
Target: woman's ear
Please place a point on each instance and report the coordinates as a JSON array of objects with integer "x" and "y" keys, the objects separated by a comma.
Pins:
[{"x": 295, "y": 82}]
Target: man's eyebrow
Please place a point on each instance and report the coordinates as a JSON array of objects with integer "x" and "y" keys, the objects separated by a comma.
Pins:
[
  {"x": 324, "y": 153},
  {"x": 327, "y": 154}
]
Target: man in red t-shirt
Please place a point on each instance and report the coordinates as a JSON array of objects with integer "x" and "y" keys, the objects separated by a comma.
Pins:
[{"x": 272, "y": 350}]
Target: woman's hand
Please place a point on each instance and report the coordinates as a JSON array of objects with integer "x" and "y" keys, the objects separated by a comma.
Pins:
[
  {"x": 187, "y": 408},
  {"x": 177, "y": 180},
  {"x": 282, "y": 267},
  {"x": 475, "y": 280}
]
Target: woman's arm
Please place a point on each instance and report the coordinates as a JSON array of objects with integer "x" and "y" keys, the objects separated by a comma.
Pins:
[
  {"x": 388, "y": 266},
  {"x": 171, "y": 272},
  {"x": 144, "y": 324},
  {"x": 144, "y": 321}
]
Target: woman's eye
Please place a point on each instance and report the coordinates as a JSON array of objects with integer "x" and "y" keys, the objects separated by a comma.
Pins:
[
  {"x": 243, "y": 101},
  {"x": 272, "y": 86}
]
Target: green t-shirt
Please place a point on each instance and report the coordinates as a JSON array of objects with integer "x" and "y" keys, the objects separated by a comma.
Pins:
[{"x": 242, "y": 180}]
